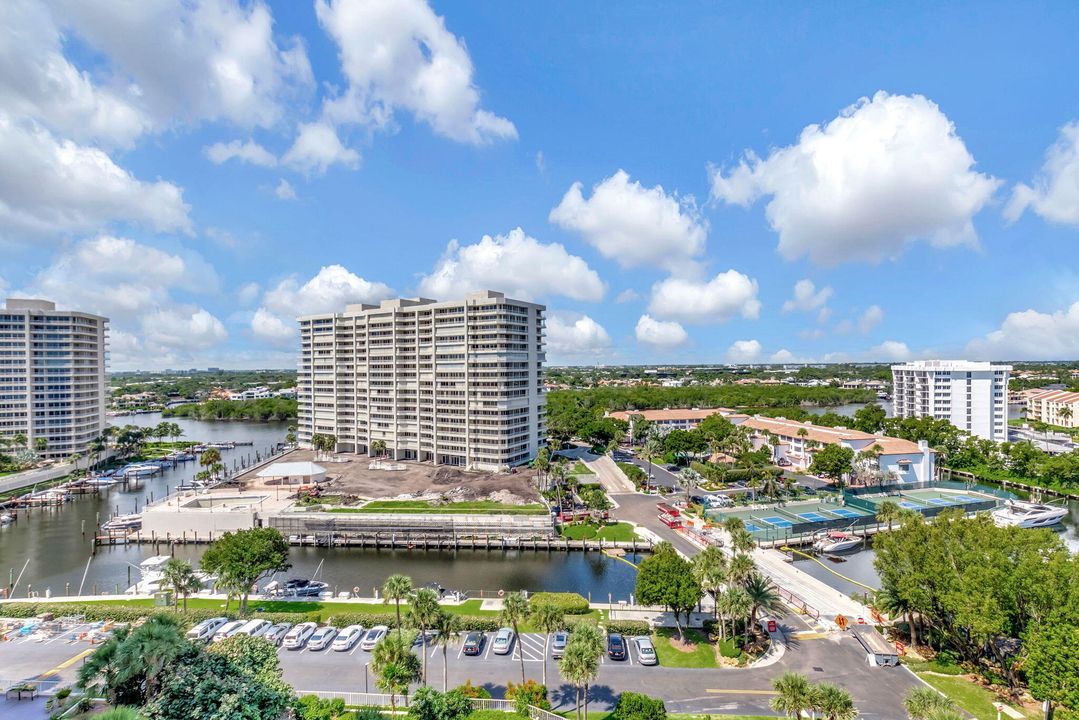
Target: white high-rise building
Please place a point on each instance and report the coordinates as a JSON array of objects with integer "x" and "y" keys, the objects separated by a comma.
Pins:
[
  {"x": 450, "y": 383},
  {"x": 973, "y": 396},
  {"x": 53, "y": 383}
]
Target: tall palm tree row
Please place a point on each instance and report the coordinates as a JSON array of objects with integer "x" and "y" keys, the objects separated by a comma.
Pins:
[
  {"x": 397, "y": 588},
  {"x": 514, "y": 612}
]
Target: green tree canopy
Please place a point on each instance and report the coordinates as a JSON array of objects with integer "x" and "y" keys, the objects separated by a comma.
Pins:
[
  {"x": 242, "y": 558},
  {"x": 665, "y": 578}
]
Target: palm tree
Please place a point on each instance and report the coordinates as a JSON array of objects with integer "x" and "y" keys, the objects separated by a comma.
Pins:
[
  {"x": 1065, "y": 413},
  {"x": 514, "y": 612},
  {"x": 762, "y": 597},
  {"x": 378, "y": 447},
  {"x": 124, "y": 712},
  {"x": 397, "y": 588},
  {"x": 148, "y": 651},
  {"x": 543, "y": 464},
  {"x": 547, "y": 618},
  {"x": 179, "y": 575},
  {"x": 448, "y": 628},
  {"x": 583, "y": 650},
  {"x": 833, "y": 702},
  {"x": 210, "y": 459},
  {"x": 711, "y": 570},
  {"x": 740, "y": 568},
  {"x": 926, "y": 704},
  {"x": 395, "y": 666},
  {"x": 98, "y": 674},
  {"x": 424, "y": 613},
  {"x": 888, "y": 601},
  {"x": 742, "y": 540},
  {"x": 794, "y": 694},
  {"x": 887, "y": 512},
  {"x": 652, "y": 447}
]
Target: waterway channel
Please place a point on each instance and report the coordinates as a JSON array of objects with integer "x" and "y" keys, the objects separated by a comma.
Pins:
[{"x": 58, "y": 542}]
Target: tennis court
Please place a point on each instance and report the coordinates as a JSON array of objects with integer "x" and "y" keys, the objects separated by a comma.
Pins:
[
  {"x": 908, "y": 505},
  {"x": 768, "y": 521}
]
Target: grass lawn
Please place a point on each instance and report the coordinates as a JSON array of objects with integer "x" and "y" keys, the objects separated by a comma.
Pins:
[
  {"x": 579, "y": 468},
  {"x": 968, "y": 695},
  {"x": 918, "y": 666},
  {"x": 620, "y": 532},
  {"x": 328, "y": 609},
  {"x": 478, "y": 507},
  {"x": 703, "y": 656}
]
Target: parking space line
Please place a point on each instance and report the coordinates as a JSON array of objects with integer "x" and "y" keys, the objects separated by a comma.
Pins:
[
  {"x": 732, "y": 691},
  {"x": 461, "y": 651},
  {"x": 487, "y": 653}
]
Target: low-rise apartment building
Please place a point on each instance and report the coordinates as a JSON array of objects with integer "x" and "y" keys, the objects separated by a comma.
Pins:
[
  {"x": 53, "y": 382},
  {"x": 450, "y": 383},
  {"x": 794, "y": 442},
  {"x": 1055, "y": 407},
  {"x": 973, "y": 396}
]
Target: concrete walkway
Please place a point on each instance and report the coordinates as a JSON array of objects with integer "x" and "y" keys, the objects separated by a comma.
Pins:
[{"x": 610, "y": 476}]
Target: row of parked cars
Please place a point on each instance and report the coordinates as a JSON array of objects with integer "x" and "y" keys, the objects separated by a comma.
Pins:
[
  {"x": 616, "y": 645},
  {"x": 289, "y": 636}
]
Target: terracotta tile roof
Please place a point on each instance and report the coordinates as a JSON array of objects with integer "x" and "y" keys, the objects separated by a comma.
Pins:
[
  {"x": 669, "y": 414},
  {"x": 830, "y": 435}
]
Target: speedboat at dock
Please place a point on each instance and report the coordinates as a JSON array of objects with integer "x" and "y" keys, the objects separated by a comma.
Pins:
[
  {"x": 836, "y": 541},
  {"x": 1016, "y": 513}
]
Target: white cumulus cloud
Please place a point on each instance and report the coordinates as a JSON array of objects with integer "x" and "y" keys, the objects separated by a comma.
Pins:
[
  {"x": 886, "y": 172},
  {"x": 575, "y": 334},
  {"x": 727, "y": 295},
  {"x": 890, "y": 351},
  {"x": 333, "y": 287},
  {"x": 400, "y": 55},
  {"x": 1055, "y": 192},
  {"x": 50, "y": 185},
  {"x": 806, "y": 297},
  {"x": 514, "y": 263},
  {"x": 183, "y": 326},
  {"x": 744, "y": 351},
  {"x": 247, "y": 151},
  {"x": 635, "y": 225},
  {"x": 782, "y": 356},
  {"x": 870, "y": 318},
  {"x": 317, "y": 147},
  {"x": 1032, "y": 335},
  {"x": 659, "y": 333},
  {"x": 204, "y": 60},
  {"x": 284, "y": 190}
]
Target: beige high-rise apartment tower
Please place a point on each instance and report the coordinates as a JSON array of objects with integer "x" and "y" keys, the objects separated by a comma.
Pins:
[
  {"x": 450, "y": 383},
  {"x": 53, "y": 383}
]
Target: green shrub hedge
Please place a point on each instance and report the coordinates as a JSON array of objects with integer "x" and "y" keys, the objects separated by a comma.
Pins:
[
  {"x": 470, "y": 622},
  {"x": 568, "y": 602},
  {"x": 119, "y": 613},
  {"x": 629, "y": 627}
]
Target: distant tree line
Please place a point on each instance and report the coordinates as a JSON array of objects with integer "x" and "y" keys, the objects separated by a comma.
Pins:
[{"x": 262, "y": 410}]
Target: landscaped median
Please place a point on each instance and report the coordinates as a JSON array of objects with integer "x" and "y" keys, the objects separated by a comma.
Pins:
[
  {"x": 964, "y": 691},
  {"x": 615, "y": 532},
  {"x": 698, "y": 651}
]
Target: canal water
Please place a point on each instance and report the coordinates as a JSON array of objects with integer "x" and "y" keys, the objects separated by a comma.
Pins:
[{"x": 58, "y": 542}]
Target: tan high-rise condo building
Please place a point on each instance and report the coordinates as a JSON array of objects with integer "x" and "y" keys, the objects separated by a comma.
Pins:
[
  {"x": 448, "y": 383},
  {"x": 53, "y": 382}
]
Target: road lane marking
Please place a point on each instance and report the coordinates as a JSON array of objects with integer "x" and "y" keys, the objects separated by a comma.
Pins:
[
  {"x": 732, "y": 691},
  {"x": 67, "y": 663},
  {"x": 487, "y": 654}
]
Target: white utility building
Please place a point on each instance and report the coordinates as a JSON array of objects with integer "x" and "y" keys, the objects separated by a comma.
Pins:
[{"x": 973, "y": 396}]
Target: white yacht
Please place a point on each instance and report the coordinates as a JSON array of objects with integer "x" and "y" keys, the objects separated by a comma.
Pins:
[
  {"x": 1028, "y": 515},
  {"x": 834, "y": 542}
]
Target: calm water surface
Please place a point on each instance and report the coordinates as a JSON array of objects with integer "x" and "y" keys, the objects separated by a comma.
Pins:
[{"x": 58, "y": 542}]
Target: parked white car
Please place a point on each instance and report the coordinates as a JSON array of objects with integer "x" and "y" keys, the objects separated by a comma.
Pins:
[
  {"x": 228, "y": 630},
  {"x": 297, "y": 637},
  {"x": 322, "y": 638},
  {"x": 347, "y": 638},
  {"x": 646, "y": 652},
  {"x": 277, "y": 633},
  {"x": 255, "y": 628},
  {"x": 206, "y": 629},
  {"x": 373, "y": 636},
  {"x": 503, "y": 642}
]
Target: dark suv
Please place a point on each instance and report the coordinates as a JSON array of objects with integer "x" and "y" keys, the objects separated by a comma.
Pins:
[
  {"x": 616, "y": 647},
  {"x": 473, "y": 643}
]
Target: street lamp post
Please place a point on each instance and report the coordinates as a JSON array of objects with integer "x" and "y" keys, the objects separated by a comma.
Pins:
[{"x": 366, "y": 687}]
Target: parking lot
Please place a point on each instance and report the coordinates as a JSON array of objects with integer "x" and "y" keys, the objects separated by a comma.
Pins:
[{"x": 838, "y": 658}]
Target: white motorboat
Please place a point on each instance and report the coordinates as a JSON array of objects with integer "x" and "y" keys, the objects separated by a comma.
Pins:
[
  {"x": 122, "y": 522},
  {"x": 6, "y": 518},
  {"x": 836, "y": 541},
  {"x": 1016, "y": 513},
  {"x": 140, "y": 470},
  {"x": 103, "y": 481}
]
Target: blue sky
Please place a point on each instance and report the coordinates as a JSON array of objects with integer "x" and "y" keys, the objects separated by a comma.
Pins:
[{"x": 678, "y": 182}]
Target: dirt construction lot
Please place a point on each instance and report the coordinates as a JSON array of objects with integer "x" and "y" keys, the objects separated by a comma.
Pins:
[{"x": 353, "y": 477}]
